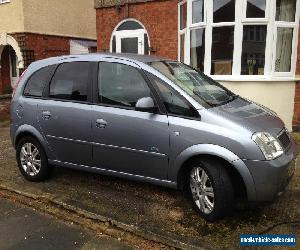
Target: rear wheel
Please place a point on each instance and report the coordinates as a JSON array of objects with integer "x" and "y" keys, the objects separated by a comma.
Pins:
[
  {"x": 210, "y": 189},
  {"x": 32, "y": 160}
]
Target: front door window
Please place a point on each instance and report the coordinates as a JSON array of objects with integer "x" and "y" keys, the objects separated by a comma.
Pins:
[
  {"x": 129, "y": 41},
  {"x": 130, "y": 45}
]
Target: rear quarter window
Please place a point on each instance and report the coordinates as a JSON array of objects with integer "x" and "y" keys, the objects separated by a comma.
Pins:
[{"x": 36, "y": 83}]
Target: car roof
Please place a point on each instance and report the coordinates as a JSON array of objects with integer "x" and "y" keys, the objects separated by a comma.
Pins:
[
  {"x": 96, "y": 57},
  {"x": 136, "y": 57}
]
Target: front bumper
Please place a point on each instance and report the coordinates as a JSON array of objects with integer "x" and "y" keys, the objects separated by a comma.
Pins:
[{"x": 271, "y": 177}]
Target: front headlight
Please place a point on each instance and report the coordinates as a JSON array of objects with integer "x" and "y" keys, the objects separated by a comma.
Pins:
[{"x": 268, "y": 145}]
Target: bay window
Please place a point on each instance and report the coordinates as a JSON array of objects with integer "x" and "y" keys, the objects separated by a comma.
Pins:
[{"x": 243, "y": 39}]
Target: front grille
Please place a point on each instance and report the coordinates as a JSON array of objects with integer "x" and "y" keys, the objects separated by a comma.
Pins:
[{"x": 284, "y": 139}]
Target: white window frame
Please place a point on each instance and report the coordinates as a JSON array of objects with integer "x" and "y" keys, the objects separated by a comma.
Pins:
[
  {"x": 182, "y": 32},
  {"x": 295, "y": 26},
  {"x": 240, "y": 21}
]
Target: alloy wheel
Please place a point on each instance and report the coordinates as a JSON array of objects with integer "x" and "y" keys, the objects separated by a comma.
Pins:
[
  {"x": 30, "y": 159},
  {"x": 202, "y": 190}
]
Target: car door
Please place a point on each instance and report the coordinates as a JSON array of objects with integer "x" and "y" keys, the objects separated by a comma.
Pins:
[
  {"x": 65, "y": 113},
  {"x": 126, "y": 140},
  {"x": 181, "y": 115}
]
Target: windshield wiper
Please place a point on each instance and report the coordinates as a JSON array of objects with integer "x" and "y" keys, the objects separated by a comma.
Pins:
[
  {"x": 217, "y": 103},
  {"x": 230, "y": 99}
]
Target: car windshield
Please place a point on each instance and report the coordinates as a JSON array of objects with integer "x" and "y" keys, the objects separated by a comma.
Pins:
[{"x": 200, "y": 87}]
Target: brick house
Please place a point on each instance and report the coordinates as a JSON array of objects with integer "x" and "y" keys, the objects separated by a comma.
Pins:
[
  {"x": 31, "y": 30},
  {"x": 250, "y": 46}
]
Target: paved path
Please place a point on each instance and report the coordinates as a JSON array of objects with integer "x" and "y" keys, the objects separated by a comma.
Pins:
[{"x": 25, "y": 228}]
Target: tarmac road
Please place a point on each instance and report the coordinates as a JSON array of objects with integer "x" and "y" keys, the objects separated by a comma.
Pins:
[{"x": 25, "y": 228}]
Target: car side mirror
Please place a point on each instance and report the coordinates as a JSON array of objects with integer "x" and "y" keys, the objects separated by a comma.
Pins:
[{"x": 146, "y": 104}]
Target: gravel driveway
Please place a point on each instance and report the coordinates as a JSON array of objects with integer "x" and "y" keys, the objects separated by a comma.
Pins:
[{"x": 153, "y": 209}]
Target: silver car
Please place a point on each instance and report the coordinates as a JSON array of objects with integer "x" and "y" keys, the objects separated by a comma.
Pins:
[{"x": 153, "y": 120}]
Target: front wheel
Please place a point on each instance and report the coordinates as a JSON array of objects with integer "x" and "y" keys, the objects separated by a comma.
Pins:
[
  {"x": 210, "y": 189},
  {"x": 32, "y": 160}
]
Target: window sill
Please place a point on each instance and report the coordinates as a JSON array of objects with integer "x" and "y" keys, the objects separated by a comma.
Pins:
[{"x": 255, "y": 78}]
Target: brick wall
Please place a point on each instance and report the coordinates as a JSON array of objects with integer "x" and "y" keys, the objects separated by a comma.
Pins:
[
  {"x": 296, "y": 117},
  {"x": 33, "y": 47},
  {"x": 37, "y": 46},
  {"x": 158, "y": 17}
]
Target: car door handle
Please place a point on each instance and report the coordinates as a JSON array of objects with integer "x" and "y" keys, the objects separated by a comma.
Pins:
[
  {"x": 46, "y": 115},
  {"x": 100, "y": 123}
]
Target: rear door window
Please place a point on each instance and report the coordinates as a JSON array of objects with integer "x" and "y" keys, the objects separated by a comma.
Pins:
[
  {"x": 71, "y": 81},
  {"x": 121, "y": 85},
  {"x": 36, "y": 83}
]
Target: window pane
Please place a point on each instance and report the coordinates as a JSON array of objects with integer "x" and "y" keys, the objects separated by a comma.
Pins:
[
  {"x": 129, "y": 45},
  {"x": 198, "y": 13},
  {"x": 114, "y": 44},
  {"x": 253, "y": 51},
  {"x": 222, "y": 50},
  {"x": 146, "y": 44},
  {"x": 284, "y": 49},
  {"x": 71, "y": 81},
  {"x": 285, "y": 10},
  {"x": 224, "y": 11},
  {"x": 182, "y": 36},
  {"x": 183, "y": 14},
  {"x": 197, "y": 48},
  {"x": 121, "y": 85},
  {"x": 36, "y": 83},
  {"x": 130, "y": 25},
  {"x": 256, "y": 8},
  {"x": 174, "y": 103}
]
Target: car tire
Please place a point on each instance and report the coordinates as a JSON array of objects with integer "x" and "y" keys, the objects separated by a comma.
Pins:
[
  {"x": 210, "y": 189},
  {"x": 32, "y": 160}
]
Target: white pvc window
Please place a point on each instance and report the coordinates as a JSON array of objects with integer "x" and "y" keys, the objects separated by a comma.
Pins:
[
  {"x": 4, "y": 1},
  {"x": 242, "y": 39}
]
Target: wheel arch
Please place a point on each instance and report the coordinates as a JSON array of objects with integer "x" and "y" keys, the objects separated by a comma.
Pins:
[
  {"x": 28, "y": 130},
  {"x": 237, "y": 170}
]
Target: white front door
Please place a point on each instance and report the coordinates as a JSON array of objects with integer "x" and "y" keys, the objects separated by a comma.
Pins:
[{"x": 130, "y": 41}]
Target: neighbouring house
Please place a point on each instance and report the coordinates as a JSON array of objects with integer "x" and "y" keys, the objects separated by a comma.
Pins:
[
  {"x": 250, "y": 46},
  {"x": 33, "y": 29}
]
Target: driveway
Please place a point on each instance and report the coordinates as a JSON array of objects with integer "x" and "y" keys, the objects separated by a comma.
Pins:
[{"x": 152, "y": 212}]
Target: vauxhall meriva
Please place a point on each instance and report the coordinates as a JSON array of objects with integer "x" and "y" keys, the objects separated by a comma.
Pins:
[{"x": 150, "y": 119}]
